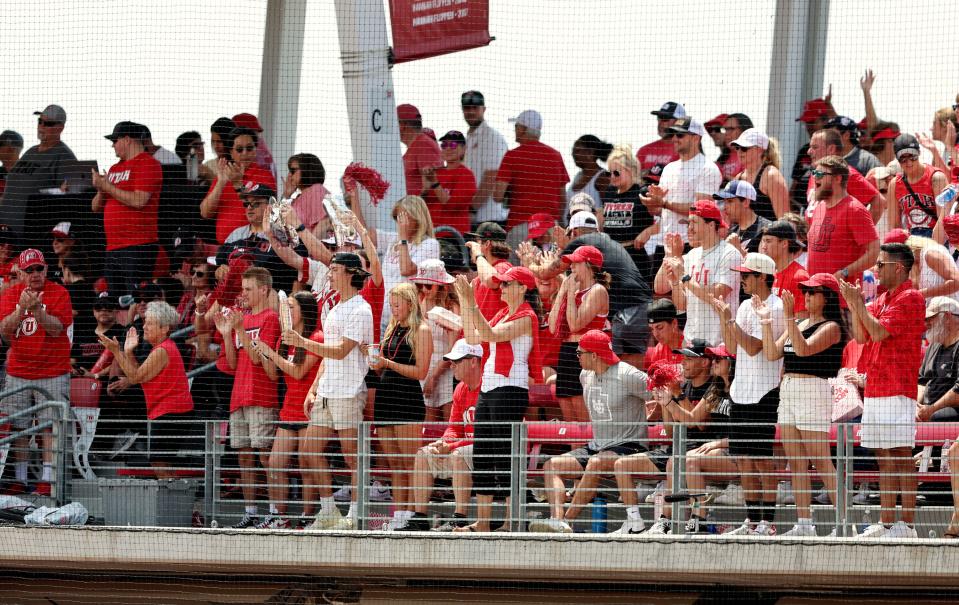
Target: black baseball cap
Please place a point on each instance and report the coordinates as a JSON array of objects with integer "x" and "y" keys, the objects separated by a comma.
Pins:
[
  {"x": 661, "y": 309},
  {"x": 670, "y": 110},
  {"x": 784, "y": 230},
  {"x": 147, "y": 291},
  {"x": 137, "y": 132},
  {"x": 105, "y": 301},
  {"x": 906, "y": 141},
  {"x": 696, "y": 348},
  {"x": 843, "y": 123},
  {"x": 253, "y": 189},
  {"x": 490, "y": 231},
  {"x": 349, "y": 260},
  {"x": 454, "y": 135},
  {"x": 472, "y": 98}
]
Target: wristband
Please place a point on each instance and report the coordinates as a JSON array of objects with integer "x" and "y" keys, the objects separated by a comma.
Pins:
[
  {"x": 404, "y": 242},
  {"x": 302, "y": 227}
]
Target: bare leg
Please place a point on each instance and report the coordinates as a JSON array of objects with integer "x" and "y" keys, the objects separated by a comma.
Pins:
[
  {"x": 248, "y": 474},
  {"x": 817, "y": 448},
  {"x": 598, "y": 465},
  {"x": 953, "y": 456},
  {"x": 410, "y": 438},
  {"x": 906, "y": 481},
  {"x": 462, "y": 482},
  {"x": 557, "y": 469},
  {"x": 795, "y": 445},
  {"x": 716, "y": 462},
  {"x": 313, "y": 459},
  {"x": 624, "y": 468},
  {"x": 348, "y": 441},
  {"x": 888, "y": 485},
  {"x": 309, "y": 481},
  {"x": 284, "y": 445}
]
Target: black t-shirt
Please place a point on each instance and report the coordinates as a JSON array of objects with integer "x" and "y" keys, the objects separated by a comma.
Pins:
[
  {"x": 939, "y": 372},
  {"x": 87, "y": 348},
  {"x": 800, "y": 178},
  {"x": 696, "y": 436},
  {"x": 263, "y": 256},
  {"x": 628, "y": 287},
  {"x": 752, "y": 235},
  {"x": 624, "y": 215}
]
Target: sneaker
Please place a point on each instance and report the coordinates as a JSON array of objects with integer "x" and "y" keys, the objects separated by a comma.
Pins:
[
  {"x": 696, "y": 525},
  {"x": 325, "y": 519},
  {"x": 802, "y": 530},
  {"x": 550, "y": 526},
  {"x": 248, "y": 521},
  {"x": 865, "y": 495},
  {"x": 451, "y": 524},
  {"x": 380, "y": 493},
  {"x": 273, "y": 522},
  {"x": 765, "y": 528},
  {"x": 42, "y": 489},
  {"x": 395, "y": 524},
  {"x": 743, "y": 530},
  {"x": 876, "y": 530},
  {"x": 659, "y": 489},
  {"x": 660, "y": 527},
  {"x": 823, "y": 497},
  {"x": 631, "y": 526},
  {"x": 344, "y": 524},
  {"x": 418, "y": 523},
  {"x": 900, "y": 530},
  {"x": 784, "y": 493},
  {"x": 644, "y": 490},
  {"x": 343, "y": 494},
  {"x": 733, "y": 495}
]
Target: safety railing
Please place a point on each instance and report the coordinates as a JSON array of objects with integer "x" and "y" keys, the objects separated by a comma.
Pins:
[{"x": 57, "y": 426}]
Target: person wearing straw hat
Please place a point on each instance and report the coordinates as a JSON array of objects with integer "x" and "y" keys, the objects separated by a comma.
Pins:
[{"x": 433, "y": 287}]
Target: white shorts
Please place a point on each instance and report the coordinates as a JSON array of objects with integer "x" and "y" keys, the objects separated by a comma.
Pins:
[
  {"x": 252, "y": 427},
  {"x": 888, "y": 422},
  {"x": 805, "y": 402},
  {"x": 441, "y": 466},
  {"x": 338, "y": 413}
]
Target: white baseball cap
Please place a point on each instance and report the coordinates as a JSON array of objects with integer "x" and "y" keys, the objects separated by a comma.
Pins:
[
  {"x": 463, "y": 349},
  {"x": 583, "y": 219},
  {"x": 941, "y": 304},
  {"x": 751, "y": 137},
  {"x": 757, "y": 263},
  {"x": 530, "y": 119},
  {"x": 736, "y": 188}
]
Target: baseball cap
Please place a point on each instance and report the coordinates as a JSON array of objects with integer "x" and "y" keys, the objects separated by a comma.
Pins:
[
  {"x": 61, "y": 229},
  {"x": 670, "y": 110},
  {"x": 105, "y": 301},
  {"x": 843, "y": 123},
  {"x": 782, "y": 230},
  {"x": 814, "y": 109},
  {"x": 751, "y": 137},
  {"x": 720, "y": 352},
  {"x": 454, "y": 135},
  {"x": 529, "y": 118},
  {"x": 941, "y": 304},
  {"x": 906, "y": 144},
  {"x": 247, "y": 120},
  {"x": 707, "y": 210},
  {"x": 823, "y": 280},
  {"x": 756, "y": 262},
  {"x": 687, "y": 126},
  {"x": 736, "y": 188},
  {"x": 349, "y": 260},
  {"x": 885, "y": 133},
  {"x": 147, "y": 291},
  {"x": 717, "y": 121},
  {"x": 54, "y": 113},
  {"x": 896, "y": 236},
  {"x": 599, "y": 343},
  {"x": 539, "y": 224},
  {"x": 462, "y": 349},
  {"x": 432, "y": 271},
  {"x": 254, "y": 189},
  {"x": 661, "y": 309},
  {"x": 520, "y": 274},
  {"x": 11, "y": 138},
  {"x": 583, "y": 220},
  {"x": 135, "y": 131},
  {"x": 584, "y": 199},
  {"x": 489, "y": 231},
  {"x": 695, "y": 348},
  {"x": 472, "y": 98},
  {"x": 585, "y": 254},
  {"x": 30, "y": 257},
  {"x": 407, "y": 112}
]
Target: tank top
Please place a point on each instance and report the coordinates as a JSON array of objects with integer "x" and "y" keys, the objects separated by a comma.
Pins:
[
  {"x": 296, "y": 389},
  {"x": 393, "y": 386},
  {"x": 596, "y": 323},
  {"x": 589, "y": 188},
  {"x": 919, "y": 213},
  {"x": 169, "y": 391},
  {"x": 763, "y": 206},
  {"x": 928, "y": 278},
  {"x": 824, "y": 364}
]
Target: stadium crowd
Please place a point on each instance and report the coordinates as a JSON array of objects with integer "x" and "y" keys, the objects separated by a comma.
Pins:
[{"x": 653, "y": 286}]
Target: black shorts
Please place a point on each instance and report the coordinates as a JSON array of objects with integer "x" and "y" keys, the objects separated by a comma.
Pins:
[
  {"x": 630, "y": 330},
  {"x": 583, "y": 454},
  {"x": 175, "y": 443},
  {"x": 567, "y": 371},
  {"x": 294, "y": 427},
  {"x": 746, "y": 439}
]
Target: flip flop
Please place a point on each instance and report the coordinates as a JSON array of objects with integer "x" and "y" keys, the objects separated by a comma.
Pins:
[
  {"x": 466, "y": 529},
  {"x": 952, "y": 532}
]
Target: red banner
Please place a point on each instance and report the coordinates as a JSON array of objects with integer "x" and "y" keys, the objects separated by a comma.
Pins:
[{"x": 426, "y": 28}]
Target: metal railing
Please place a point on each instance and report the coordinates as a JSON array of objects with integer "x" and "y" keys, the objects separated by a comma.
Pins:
[{"x": 57, "y": 426}]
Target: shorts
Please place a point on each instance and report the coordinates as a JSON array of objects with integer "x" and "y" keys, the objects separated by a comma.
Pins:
[
  {"x": 630, "y": 330},
  {"x": 567, "y": 371},
  {"x": 293, "y": 427},
  {"x": 441, "y": 466},
  {"x": 57, "y": 386},
  {"x": 172, "y": 434},
  {"x": 805, "y": 402},
  {"x": 252, "y": 427},
  {"x": 888, "y": 422},
  {"x": 583, "y": 454},
  {"x": 752, "y": 427},
  {"x": 338, "y": 414}
]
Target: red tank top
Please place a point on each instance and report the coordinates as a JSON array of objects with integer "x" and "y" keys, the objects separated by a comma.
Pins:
[
  {"x": 169, "y": 391},
  {"x": 919, "y": 210},
  {"x": 296, "y": 389}
]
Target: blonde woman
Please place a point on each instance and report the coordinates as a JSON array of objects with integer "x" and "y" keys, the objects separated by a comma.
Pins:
[
  {"x": 759, "y": 155},
  {"x": 408, "y": 246},
  {"x": 935, "y": 272},
  {"x": 629, "y": 217},
  {"x": 398, "y": 410}
]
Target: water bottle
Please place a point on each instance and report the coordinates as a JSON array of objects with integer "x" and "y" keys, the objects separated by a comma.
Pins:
[
  {"x": 711, "y": 522},
  {"x": 866, "y": 521},
  {"x": 947, "y": 195},
  {"x": 599, "y": 515},
  {"x": 192, "y": 166},
  {"x": 659, "y": 500}
]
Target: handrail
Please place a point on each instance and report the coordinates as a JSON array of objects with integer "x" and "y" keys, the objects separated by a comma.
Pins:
[
  {"x": 201, "y": 369},
  {"x": 184, "y": 331}
]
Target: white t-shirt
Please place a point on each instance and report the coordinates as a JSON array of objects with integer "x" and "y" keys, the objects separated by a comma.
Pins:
[
  {"x": 485, "y": 149},
  {"x": 756, "y": 375},
  {"x": 344, "y": 378},
  {"x": 389, "y": 240},
  {"x": 706, "y": 268},
  {"x": 683, "y": 180}
]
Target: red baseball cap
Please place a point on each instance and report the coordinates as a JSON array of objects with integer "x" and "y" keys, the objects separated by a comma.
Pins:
[
  {"x": 407, "y": 112},
  {"x": 30, "y": 257},
  {"x": 520, "y": 274},
  {"x": 825, "y": 280},
  {"x": 885, "y": 133},
  {"x": 539, "y": 224},
  {"x": 599, "y": 343},
  {"x": 863, "y": 124},
  {"x": 585, "y": 254},
  {"x": 247, "y": 120},
  {"x": 815, "y": 109},
  {"x": 951, "y": 225},
  {"x": 717, "y": 121},
  {"x": 708, "y": 210},
  {"x": 896, "y": 236},
  {"x": 720, "y": 352}
]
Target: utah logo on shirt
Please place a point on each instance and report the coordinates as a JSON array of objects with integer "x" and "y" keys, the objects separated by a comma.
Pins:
[{"x": 28, "y": 325}]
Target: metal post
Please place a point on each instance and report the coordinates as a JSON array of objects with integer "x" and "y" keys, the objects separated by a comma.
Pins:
[
  {"x": 678, "y": 476},
  {"x": 362, "y": 475},
  {"x": 841, "y": 493},
  {"x": 517, "y": 478},
  {"x": 60, "y": 436},
  {"x": 209, "y": 469},
  {"x": 847, "y": 484}
]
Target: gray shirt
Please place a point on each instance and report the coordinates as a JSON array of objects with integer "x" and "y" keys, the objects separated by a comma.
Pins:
[
  {"x": 862, "y": 160},
  {"x": 616, "y": 400},
  {"x": 35, "y": 170}
]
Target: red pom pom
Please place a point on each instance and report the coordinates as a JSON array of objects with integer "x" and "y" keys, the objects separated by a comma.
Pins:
[
  {"x": 370, "y": 179},
  {"x": 662, "y": 374}
]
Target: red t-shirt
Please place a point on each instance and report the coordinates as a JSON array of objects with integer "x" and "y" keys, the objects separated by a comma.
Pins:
[
  {"x": 788, "y": 279},
  {"x": 921, "y": 213},
  {"x": 296, "y": 389},
  {"x": 661, "y": 352},
  {"x": 858, "y": 187},
  {"x": 536, "y": 176},
  {"x": 892, "y": 365},
  {"x": 654, "y": 157},
  {"x": 125, "y": 226},
  {"x": 252, "y": 387},
  {"x": 33, "y": 354},
  {"x": 461, "y": 185},
  {"x": 838, "y": 235},
  {"x": 549, "y": 343},
  {"x": 423, "y": 152},
  {"x": 169, "y": 391},
  {"x": 462, "y": 415},
  {"x": 730, "y": 167},
  {"x": 229, "y": 213}
]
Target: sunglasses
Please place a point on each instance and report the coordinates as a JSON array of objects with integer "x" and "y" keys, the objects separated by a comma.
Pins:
[
  {"x": 676, "y": 135},
  {"x": 198, "y": 273},
  {"x": 252, "y": 204},
  {"x": 247, "y": 148},
  {"x": 882, "y": 263},
  {"x": 907, "y": 156},
  {"x": 580, "y": 352},
  {"x": 819, "y": 174},
  {"x": 34, "y": 269},
  {"x": 47, "y": 123},
  {"x": 812, "y": 291},
  {"x": 715, "y": 129},
  {"x": 616, "y": 173},
  {"x": 449, "y": 144}
]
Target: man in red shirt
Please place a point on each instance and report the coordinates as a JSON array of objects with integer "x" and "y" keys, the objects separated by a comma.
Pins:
[
  {"x": 891, "y": 329},
  {"x": 780, "y": 243},
  {"x": 654, "y": 156},
  {"x": 37, "y": 322},
  {"x": 664, "y": 324},
  {"x": 450, "y": 189},
  {"x": 422, "y": 152},
  {"x": 842, "y": 236},
  {"x": 129, "y": 197},
  {"x": 829, "y": 142},
  {"x": 253, "y": 405},
  {"x": 532, "y": 176}
]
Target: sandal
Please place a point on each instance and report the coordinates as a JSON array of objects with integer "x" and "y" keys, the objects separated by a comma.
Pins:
[
  {"x": 466, "y": 529},
  {"x": 952, "y": 532}
]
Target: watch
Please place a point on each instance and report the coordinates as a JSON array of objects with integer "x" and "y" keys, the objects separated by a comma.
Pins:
[
  {"x": 845, "y": 273},
  {"x": 435, "y": 185},
  {"x": 403, "y": 242},
  {"x": 302, "y": 227},
  {"x": 686, "y": 278}
]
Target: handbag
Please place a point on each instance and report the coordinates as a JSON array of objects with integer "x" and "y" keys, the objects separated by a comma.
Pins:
[{"x": 846, "y": 400}]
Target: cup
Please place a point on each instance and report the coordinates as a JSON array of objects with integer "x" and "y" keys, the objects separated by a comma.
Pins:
[{"x": 374, "y": 353}]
